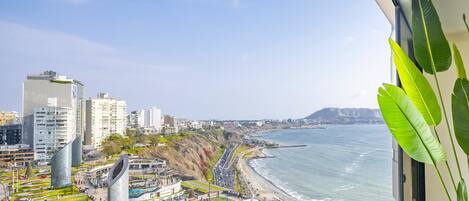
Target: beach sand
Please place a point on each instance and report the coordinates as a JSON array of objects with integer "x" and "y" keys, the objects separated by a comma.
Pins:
[{"x": 260, "y": 187}]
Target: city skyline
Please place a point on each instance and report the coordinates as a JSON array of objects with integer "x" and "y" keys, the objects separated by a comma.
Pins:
[{"x": 258, "y": 61}]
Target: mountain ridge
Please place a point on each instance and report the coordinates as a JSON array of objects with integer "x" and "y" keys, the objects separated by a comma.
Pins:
[{"x": 334, "y": 115}]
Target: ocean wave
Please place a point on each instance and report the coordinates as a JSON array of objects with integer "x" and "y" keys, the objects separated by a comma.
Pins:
[
  {"x": 356, "y": 163},
  {"x": 282, "y": 185}
]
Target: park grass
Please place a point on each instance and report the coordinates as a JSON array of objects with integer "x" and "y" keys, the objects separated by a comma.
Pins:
[
  {"x": 76, "y": 198},
  {"x": 39, "y": 188},
  {"x": 239, "y": 150},
  {"x": 221, "y": 198},
  {"x": 200, "y": 186}
]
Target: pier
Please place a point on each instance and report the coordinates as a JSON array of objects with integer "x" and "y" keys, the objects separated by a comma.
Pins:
[{"x": 284, "y": 146}]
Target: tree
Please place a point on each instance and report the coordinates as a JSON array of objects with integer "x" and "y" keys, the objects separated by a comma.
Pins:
[
  {"x": 110, "y": 148},
  {"x": 153, "y": 139}
]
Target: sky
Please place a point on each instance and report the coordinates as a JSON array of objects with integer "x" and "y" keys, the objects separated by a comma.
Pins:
[{"x": 202, "y": 59}]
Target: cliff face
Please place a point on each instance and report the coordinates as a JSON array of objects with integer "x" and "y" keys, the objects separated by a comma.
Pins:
[
  {"x": 189, "y": 154},
  {"x": 346, "y": 116}
]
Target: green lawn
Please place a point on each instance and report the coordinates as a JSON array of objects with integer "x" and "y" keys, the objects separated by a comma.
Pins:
[
  {"x": 219, "y": 199},
  {"x": 239, "y": 150},
  {"x": 200, "y": 186},
  {"x": 39, "y": 188}
]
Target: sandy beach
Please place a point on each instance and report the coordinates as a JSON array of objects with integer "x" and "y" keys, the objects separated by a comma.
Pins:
[{"x": 260, "y": 187}]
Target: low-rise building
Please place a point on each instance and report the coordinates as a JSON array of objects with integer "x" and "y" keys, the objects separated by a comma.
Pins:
[
  {"x": 147, "y": 165},
  {"x": 7, "y": 117},
  {"x": 195, "y": 125},
  {"x": 162, "y": 193},
  {"x": 98, "y": 175},
  {"x": 18, "y": 154},
  {"x": 10, "y": 134}
]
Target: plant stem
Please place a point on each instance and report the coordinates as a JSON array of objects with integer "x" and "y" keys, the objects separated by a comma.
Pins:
[
  {"x": 446, "y": 162},
  {"x": 447, "y": 124},
  {"x": 441, "y": 180}
]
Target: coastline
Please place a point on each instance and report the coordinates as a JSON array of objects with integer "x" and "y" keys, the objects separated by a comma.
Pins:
[{"x": 260, "y": 187}]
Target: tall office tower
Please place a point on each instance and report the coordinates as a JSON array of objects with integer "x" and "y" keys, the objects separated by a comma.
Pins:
[
  {"x": 104, "y": 116},
  {"x": 54, "y": 127},
  {"x": 40, "y": 90},
  {"x": 153, "y": 118}
]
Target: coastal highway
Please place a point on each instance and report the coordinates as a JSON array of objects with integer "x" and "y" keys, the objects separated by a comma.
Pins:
[{"x": 223, "y": 171}]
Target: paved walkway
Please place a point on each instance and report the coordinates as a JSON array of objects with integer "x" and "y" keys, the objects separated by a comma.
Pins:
[{"x": 97, "y": 194}]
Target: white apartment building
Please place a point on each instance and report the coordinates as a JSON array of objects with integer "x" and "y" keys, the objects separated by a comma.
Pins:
[
  {"x": 153, "y": 119},
  {"x": 104, "y": 116},
  {"x": 54, "y": 127},
  {"x": 136, "y": 119}
]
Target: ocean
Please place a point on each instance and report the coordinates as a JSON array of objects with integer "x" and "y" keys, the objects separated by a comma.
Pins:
[{"x": 342, "y": 162}]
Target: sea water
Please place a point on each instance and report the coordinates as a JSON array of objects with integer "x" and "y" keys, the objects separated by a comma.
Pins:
[{"x": 341, "y": 162}]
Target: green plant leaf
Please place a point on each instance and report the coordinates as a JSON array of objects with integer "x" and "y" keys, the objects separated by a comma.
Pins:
[
  {"x": 408, "y": 126},
  {"x": 460, "y": 110},
  {"x": 431, "y": 48},
  {"x": 462, "y": 191},
  {"x": 459, "y": 62},
  {"x": 416, "y": 86}
]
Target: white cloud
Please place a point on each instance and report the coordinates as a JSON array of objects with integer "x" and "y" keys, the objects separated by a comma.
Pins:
[
  {"x": 60, "y": 48},
  {"x": 27, "y": 50}
]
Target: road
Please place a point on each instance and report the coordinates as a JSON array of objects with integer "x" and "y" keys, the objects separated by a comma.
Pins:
[{"x": 223, "y": 171}]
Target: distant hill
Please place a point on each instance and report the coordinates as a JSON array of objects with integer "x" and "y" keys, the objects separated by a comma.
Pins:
[{"x": 346, "y": 116}]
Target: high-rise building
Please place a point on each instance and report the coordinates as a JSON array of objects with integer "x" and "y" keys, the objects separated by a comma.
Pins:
[
  {"x": 10, "y": 134},
  {"x": 54, "y": 127},
  {"x": 104, "y": 116},
  {"x": 136, "y": 119},
  {"x": 64, "y": 94},
  {"x": 8, "y": 118},
  {"x": 153, "y": 118}
]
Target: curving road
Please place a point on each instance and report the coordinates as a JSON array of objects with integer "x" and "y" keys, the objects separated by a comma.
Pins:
[{"x": 223, "y": 171}]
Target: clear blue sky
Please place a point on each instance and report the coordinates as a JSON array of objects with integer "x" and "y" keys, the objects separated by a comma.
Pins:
[{"x": 200, "y": 59}]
